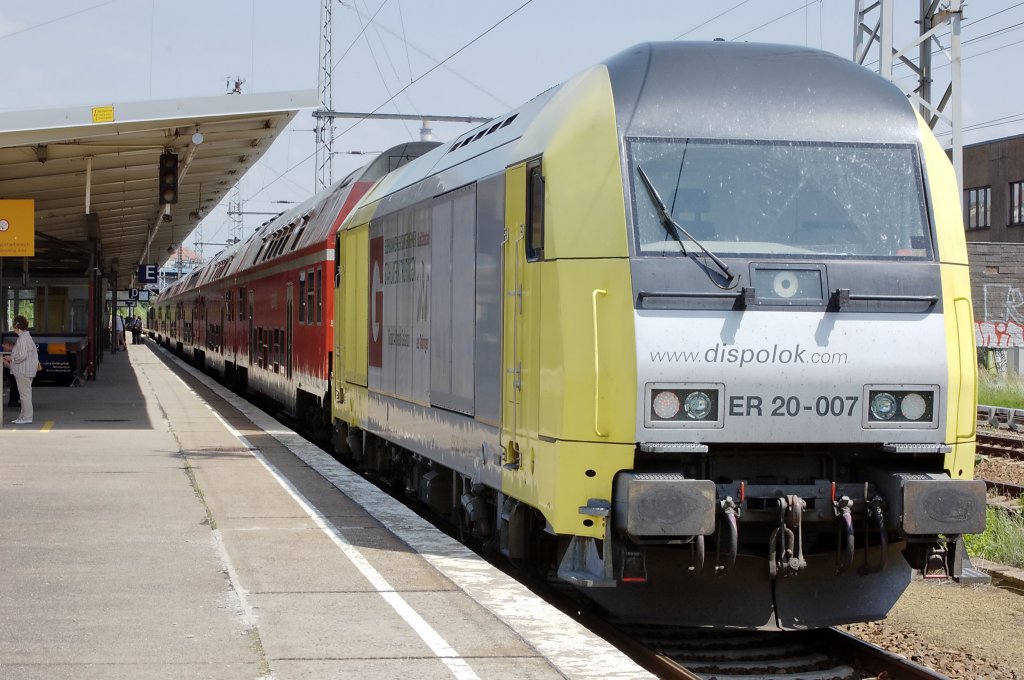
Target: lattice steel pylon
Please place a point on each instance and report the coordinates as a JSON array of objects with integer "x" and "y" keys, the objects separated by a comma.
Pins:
[
  {"x": 235, "y": 208},
  {"x": 325, "y": 124},
  {"x": 873, "y": 24}
]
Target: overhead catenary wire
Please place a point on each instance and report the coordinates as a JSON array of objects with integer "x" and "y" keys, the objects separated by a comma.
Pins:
[
  {"x": 380, "y": 72},
  {"x": 62, "y": 17},
  {"x": 406, "y": 87},
  {"x": 352, "y": 44},
  {"x": 405, "y": 41},
  {"x": 418, "y": 50},
  {"x": 717, "y": 16},
  {"x": 778, "y": 18}
]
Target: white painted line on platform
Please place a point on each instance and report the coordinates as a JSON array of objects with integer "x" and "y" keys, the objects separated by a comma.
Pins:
[
  {"x": 442, "y": 650},
  {"x": 571, "y": 648}
]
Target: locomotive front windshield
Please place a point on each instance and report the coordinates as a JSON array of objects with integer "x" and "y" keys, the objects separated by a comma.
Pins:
[{"x": 790, "y": 199}]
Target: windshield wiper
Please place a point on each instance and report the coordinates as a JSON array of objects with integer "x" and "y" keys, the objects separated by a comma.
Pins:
[{"x": 673, "y": 228}]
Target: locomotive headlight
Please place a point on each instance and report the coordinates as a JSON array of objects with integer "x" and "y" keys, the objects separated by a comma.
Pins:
[
  {"x": 665, "y": 404},
  {"x": 883, "y": 406},
  {"x": 682, "y": 405},
  {"x": 697, "y": 405},
  {"x": 913, "y": 406},
  {"x": 901, "y": 406}
]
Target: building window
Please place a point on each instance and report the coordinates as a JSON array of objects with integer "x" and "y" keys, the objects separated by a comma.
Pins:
[
  {"x": 1016, "y": 204},
  {"x": 978, "y": 204}
]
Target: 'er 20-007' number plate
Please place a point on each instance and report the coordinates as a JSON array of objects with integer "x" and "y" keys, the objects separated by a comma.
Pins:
[{"x": 788, "y": 406}]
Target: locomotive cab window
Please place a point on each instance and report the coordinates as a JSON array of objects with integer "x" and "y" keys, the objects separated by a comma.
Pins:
[
  {"x": 534, "y": 211},
  {"x": 780, "y": 198}
]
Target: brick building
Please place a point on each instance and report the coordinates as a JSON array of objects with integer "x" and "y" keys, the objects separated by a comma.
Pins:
[
  {"x": 994, "y": 221},
  {"x": 993, "y": 191}
]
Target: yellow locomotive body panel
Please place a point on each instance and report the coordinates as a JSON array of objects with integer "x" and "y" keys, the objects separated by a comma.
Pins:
[
  {"x": 961, "y": 404},
  {"x": 570, "y": 380},
  {"x": 351, "y": 319}
]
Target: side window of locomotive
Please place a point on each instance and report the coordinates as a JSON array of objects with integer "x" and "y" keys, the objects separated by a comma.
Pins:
[
  {"x": 337, "y": 261},
  {"x": 534, "y": 212}
]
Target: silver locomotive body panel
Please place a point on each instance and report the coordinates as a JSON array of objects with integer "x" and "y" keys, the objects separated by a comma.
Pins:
[{"x": 790, "y": 376}]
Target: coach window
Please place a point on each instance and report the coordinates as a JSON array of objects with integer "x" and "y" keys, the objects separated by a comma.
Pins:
[
  {"x": 534, "y": 211},
  {"x": 319, "y": 295},
  {"x": 1016, "y": 204},
  {"x": 241, "y": 304},
  {"x": 302, "y": 297}
]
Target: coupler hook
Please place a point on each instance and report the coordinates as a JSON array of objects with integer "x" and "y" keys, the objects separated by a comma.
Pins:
[
  {"x": 785, "y": 546},
  {"x": 876, "y": 516},
  {"x": 731, "y": 523},
  {"x": 845, "y": 538}
]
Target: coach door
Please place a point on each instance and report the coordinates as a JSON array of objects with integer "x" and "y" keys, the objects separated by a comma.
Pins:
[
  {"x": 288, "y": 330},
  {"x": 521, "y": 300},
  {"x": 251, "y": 333}
]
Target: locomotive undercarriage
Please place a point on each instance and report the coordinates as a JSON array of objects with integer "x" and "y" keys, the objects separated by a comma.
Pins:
[
  {"x": 825, "y": 544},
  {"x": 850, "y": 521}
]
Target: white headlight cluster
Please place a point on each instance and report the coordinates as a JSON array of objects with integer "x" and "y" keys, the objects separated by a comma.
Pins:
[
  {"x": 901, "y": 406},
  {"x": 682, "y": 405}
]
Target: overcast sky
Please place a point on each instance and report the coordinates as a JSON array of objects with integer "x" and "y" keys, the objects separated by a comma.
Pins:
[{"x": 495, "y": 56}]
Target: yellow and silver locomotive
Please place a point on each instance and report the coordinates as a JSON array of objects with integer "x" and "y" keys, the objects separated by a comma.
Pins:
[{"x": 694, "y": 328}]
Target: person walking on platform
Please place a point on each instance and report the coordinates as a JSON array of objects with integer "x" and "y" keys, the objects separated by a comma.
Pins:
[
  {"x": 136, "y": 330},
  {"x": 119, "y": 331},
  {"x": 23, "y": 362},
  {"x": 14, "y": 399}
]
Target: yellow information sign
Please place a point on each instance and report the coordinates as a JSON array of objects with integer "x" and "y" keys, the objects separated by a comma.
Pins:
[
  {"x": 17, "y": 228},
  {"x": 103, "y": 114}
]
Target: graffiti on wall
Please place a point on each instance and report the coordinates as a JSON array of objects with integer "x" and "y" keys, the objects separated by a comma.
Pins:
[{"x": 1002, "y": 319}]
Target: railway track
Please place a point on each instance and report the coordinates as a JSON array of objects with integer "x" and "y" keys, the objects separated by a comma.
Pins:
[
  {"x": 702, "y": 654},
  {"x": 1005, "y": 446},
  {"x": 1001, "y": 417},
  {"x": 994, "y": 441}
]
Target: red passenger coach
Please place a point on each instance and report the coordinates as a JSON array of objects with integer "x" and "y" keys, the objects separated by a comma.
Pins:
[{"x": 259, "y": 314}]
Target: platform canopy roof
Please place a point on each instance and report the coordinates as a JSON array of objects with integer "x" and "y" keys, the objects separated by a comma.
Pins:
[{"x": 94, "y": 173}]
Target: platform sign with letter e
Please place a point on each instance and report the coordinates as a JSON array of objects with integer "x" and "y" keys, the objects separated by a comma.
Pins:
[
  {"x": 147, "y": 273},
  {"x": 17, "y": 228}
]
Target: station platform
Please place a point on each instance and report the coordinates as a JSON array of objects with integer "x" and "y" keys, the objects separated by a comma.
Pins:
[{"x": 154, "y": 525}]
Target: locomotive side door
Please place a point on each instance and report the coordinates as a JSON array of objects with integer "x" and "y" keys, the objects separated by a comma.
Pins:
[{"x": 520, "y": 301}]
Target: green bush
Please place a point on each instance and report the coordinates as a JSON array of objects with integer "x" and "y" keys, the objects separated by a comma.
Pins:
[
  {"x": 1007, "y": 391},
  {"x": 1002, "y": 541}
]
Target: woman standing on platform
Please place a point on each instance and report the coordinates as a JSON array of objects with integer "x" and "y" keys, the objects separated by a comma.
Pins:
[{"x": 23, "y": 362}]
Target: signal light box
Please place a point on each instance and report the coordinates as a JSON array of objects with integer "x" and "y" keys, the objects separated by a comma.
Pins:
[{"x": 17, "y": 228}]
